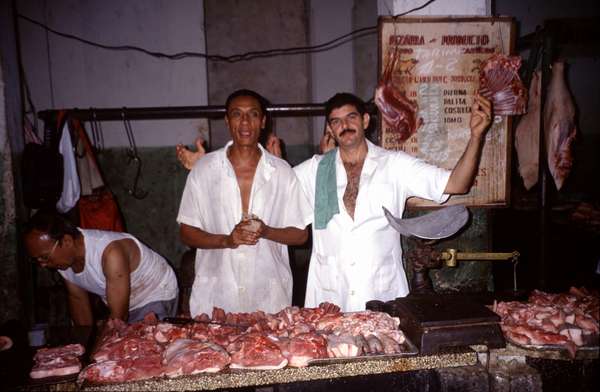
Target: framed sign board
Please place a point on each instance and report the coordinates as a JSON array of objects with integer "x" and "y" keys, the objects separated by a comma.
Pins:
[{"x": 438, "y": 69}]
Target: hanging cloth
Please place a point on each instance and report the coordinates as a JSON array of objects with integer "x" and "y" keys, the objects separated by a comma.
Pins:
[{"x": 70, "y": 190}]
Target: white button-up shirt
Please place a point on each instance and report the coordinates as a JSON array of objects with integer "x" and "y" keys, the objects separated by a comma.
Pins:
[
  {"x": 354, "y": 261},
  {"x": 247, "y": 278}
]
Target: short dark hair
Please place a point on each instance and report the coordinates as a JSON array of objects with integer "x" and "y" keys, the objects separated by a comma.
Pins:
[
  {"x": 247, "y": 93},
  {"x": 52, "y": 223},
  {"x": 341, "y": 99}
]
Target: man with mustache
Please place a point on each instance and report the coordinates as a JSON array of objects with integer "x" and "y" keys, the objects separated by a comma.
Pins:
[{"x": 356, "y": 255}]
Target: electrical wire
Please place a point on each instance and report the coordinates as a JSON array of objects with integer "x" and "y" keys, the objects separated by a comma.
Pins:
[{"x": 358, "y": 33}]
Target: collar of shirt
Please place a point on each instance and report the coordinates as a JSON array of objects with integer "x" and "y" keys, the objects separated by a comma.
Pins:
[
  {"x": 373, "y": 154},
  {"x": 264, "y": 169}
]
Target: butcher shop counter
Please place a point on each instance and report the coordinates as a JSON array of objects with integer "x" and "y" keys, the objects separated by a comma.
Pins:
[{"x": 336, "y": 376}]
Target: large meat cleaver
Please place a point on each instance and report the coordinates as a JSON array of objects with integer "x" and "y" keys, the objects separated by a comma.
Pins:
[{"x": 433, "y": 226}]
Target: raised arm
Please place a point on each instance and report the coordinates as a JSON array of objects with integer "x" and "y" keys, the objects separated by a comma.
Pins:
[
  {"x": 79, "y": 305},
  {"x": 462, "y": 176},
  {"x": 117, "y": 260}
]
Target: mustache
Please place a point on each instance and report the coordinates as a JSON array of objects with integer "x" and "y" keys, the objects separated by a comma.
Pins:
[{"x": 346, "y": 130}]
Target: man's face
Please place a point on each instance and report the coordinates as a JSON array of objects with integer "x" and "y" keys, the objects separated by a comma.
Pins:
[
  {"x": 347, "y": 126},
  {"x": 245, "y": 120},
  {"x": 48, "y": 252}
]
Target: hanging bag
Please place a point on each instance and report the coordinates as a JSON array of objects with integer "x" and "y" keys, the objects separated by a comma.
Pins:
[{"x": 99, "y": 210}]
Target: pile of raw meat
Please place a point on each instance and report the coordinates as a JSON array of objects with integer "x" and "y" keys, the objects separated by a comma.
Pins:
[
  {"x": 259, "y": 341},
  {"x": 569, "y": 320},
  {"x": 57, "y": 361},
  {"x": 499, "y": 82}
]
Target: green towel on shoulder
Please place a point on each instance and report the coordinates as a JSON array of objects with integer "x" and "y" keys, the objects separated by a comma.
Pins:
[{"x": 326, "y": 201}]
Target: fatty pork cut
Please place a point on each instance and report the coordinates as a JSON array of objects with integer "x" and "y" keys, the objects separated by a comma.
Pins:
[
  {"x": 559, "y": 126},
  {"x": 527, "y": 135},
  {"x": 189, "y": 356},
  {"x": 255, "y": 351},
  {"x": 57, "y": 361}
]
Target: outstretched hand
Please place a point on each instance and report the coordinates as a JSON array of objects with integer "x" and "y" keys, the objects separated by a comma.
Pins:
[
  {"x": 273, "y": 145},
  {"x": 187, "y": 157},
  {"x": 481, "y": 116}
]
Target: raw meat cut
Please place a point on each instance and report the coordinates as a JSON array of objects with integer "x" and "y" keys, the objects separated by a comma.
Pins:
[
  {"x": 125, "y": 369},
  {"x": 188, "y": 356},
  {"x": 255, "y": 351},
  {"x": 57, "y": 361},
  {"x": 500, "y": 83},
  {"x": 559, "y": 126},
  {"x": 165, "y": 333},
  {"x": 304, "y": 347},
  {"x": 399, "y": 112},
  {"x": 56, "y": 367},
  {"x": 48, "y": 354},
  {"x": 128, "y": 347},
  {"x": 569, "y": 319},
  {"x": 527, "y": 135}
]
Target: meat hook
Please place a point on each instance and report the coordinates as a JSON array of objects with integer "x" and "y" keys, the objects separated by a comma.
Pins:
[{"x": 135, "y": 190}]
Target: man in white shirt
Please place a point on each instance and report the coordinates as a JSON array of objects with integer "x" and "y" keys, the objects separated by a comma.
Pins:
[
  {"x": 241, "y": 207},
  {"x": 131, "y": 278},
  {"x": 356, "y": 255}
]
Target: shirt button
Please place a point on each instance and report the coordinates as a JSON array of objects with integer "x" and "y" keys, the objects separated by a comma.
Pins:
[
  {"x": 351, "y": 292},
  {"x": 352, "y": 263}
]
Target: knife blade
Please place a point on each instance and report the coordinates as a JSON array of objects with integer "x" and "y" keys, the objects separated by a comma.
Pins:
[{"x": 188, "y": 320}]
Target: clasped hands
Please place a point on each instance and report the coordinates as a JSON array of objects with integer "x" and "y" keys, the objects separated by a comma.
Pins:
[{"x": 246, "y": 232}]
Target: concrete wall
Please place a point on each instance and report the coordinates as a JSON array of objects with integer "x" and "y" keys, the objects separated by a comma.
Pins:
[
  {"x": 63, "y": 73},
  {"x": 233, "y": 27}
]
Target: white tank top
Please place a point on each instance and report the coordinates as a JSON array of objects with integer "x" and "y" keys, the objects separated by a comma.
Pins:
[{"x": 153, "y": 279}]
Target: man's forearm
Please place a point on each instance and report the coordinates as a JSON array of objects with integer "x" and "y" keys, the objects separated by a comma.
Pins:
[
  {"x": 200, "y": 239},
  {"x": 81, "y": 312},
  {"x": 464, "y": 173},
  {"x": 287, "y": 235}
]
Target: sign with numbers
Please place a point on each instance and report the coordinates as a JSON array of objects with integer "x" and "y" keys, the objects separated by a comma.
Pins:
[{"x": 437, "y": 71}]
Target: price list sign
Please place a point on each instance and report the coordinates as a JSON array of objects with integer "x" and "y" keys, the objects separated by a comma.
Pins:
[{"x": 436, "y": 69}]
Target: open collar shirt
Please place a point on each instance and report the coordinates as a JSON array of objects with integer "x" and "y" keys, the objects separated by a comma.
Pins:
[
  {"x": 357, "y": 260},
  {"x": 247, "y": 278}
]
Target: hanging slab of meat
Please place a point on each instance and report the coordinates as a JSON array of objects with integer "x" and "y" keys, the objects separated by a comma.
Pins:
[
  {"x": 500, "y": 83},
  {"x": 255, "y": 351},
  {"x": 188, "y": 356},
  {"x": 57, "y": 361},
  {"x": 527, "y": 135},
  {"x": 399, "y": 112},
  {"x": 559, "y": 126}
]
